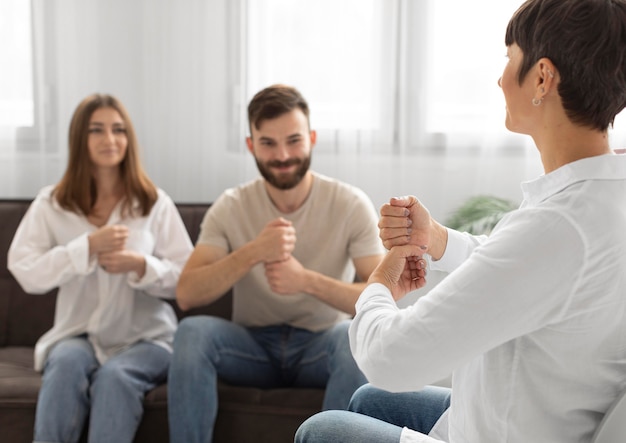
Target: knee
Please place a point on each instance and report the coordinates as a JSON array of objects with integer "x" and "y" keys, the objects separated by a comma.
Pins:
[
  {"x": 365, "y": 396},
  {"x": 321, "y": 427},
  {"x": 63, "y": 364},
  {"x": 196, "y": 331},
  {"x": 71, "y": 362},
  {"x": 189, "y": 329},
  {"x": 110, "y": 375},
  {"x": 194, "y": 341}
]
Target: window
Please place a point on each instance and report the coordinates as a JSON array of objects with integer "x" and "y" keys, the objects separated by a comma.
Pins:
[
  {"x": 338, "y": 54},
  {"x": 465, "y": 60},
  {"x": 16, "y": 76},
  {"x": 393, "y": 74}
]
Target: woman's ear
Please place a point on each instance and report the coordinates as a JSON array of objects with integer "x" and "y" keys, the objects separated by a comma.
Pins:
[{"x": 546, "y": 78}]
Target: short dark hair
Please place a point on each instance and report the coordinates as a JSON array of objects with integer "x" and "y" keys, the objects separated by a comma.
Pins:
[
  {"x": 586, "y": 41},
  {"x": 273, "y": 102}
]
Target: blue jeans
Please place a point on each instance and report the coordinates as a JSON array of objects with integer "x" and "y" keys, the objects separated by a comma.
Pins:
[
  {"x": 207, "y": 348},
  {"x": 377, "y": 416},
  {"x": 75, "y": 387}
]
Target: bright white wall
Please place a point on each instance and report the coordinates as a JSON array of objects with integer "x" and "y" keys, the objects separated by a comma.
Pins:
[{"x": 175, "y": 66}]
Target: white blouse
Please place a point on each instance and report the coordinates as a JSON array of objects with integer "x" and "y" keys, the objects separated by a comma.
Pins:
[{"x": 50, "y": 249}]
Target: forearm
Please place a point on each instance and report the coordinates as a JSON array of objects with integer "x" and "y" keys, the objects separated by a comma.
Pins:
[
  {"x": 338, "y": 294},
  {"x": 204, "y": 284}
]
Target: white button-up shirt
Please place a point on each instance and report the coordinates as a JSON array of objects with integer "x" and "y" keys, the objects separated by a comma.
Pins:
[
  {"x": 50, "y": 249},
  {"x": 531, "y": 321}
]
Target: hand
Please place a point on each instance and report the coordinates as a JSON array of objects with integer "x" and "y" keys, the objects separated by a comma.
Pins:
[
  {"x": 277, "y": 240},
  {"x": 402, "y": 270},
  {"x": 119, "y": 262},
  {"x": 285, "y": 277},
  {"x": 404, "y": 220},
  {"x": 108, "y": 238}
]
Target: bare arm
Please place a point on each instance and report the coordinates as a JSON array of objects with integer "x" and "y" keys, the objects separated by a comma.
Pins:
[
  {"x": 289, "y": 277},
  {"x": 211, "y": 271}
]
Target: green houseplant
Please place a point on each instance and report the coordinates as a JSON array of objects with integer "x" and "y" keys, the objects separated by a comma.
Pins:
[{"x": 479, "y": 214}]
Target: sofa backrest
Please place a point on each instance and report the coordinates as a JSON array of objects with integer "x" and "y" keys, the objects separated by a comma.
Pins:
[{"x": 25, "y": 317}]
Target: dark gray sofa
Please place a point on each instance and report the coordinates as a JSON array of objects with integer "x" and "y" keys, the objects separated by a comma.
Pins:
[{"x": 245, "y": 414}]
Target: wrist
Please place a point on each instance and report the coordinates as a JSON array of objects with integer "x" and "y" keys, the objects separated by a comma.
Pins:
[
  {"x": 439, "y": 241},
  {"x": 248, "y": 256},
  {"x": 140, "y": 266}
]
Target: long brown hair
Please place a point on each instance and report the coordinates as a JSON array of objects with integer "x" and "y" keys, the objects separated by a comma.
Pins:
[{"x": 77, "y": 189}]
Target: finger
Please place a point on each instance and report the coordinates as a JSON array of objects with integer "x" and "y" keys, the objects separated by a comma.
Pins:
[
  {"x": 396, "y": 241},
  {"x": 419, "y": 283},
  {"x": 391, "y": 233},
  {"x": 394, "y": 222},
  {"x": 404, "y": 201},
  {"x": 394, "y": 211},
  {"x": 421, "y": 266},
  {"x": 122, "y": 235},
  {"x": 418, "y": 273}
]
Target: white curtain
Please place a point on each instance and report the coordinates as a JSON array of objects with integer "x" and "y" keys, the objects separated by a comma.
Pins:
[
  {"x": 412, "y": 86},
  {"x": 405, "y": 100},
  {"x": 16, "y": 92}
]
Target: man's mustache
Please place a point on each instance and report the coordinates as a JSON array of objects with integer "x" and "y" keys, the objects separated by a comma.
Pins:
[{"x": 282, "y": 164}]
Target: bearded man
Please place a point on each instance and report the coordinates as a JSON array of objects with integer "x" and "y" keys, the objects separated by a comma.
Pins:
[{"x": 289, "y": 243}]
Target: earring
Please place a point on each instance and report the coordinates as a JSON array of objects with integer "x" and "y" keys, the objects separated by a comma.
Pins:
[
  {"x": 536, "y": 102},
  {"x": 551, "y": 74}
]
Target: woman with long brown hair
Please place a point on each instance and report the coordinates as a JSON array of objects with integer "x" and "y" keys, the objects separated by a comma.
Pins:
[{"x": 114, "y": 244}]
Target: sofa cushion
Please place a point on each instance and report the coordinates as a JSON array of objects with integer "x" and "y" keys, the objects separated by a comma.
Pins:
[
  {"x": 269, "y": 414},
  {"x": 19, "y": 382}
]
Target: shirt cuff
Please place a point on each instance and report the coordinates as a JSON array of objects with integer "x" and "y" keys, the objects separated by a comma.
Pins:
[
  {"x": 459, "y": 247},
  {"x": 78, "y": 252},
  {"x": 373, "y": 290},
  {"x": 151, "y": 275}
]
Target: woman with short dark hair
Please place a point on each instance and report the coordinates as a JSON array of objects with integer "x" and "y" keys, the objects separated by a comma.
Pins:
[{"x": 531, "y": 321}]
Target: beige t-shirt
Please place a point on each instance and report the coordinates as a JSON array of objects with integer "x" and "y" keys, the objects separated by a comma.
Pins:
[{"x": 336, "y": 224}]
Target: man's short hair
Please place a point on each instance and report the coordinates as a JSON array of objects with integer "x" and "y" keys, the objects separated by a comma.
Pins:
[{"x": 273, "y": 102}]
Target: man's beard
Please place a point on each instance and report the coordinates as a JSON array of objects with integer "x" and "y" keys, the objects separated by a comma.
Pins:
[{"x": 284, "y": 181}]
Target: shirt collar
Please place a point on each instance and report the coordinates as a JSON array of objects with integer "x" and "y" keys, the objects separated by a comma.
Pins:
[{"x": 602, "y": 167}]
